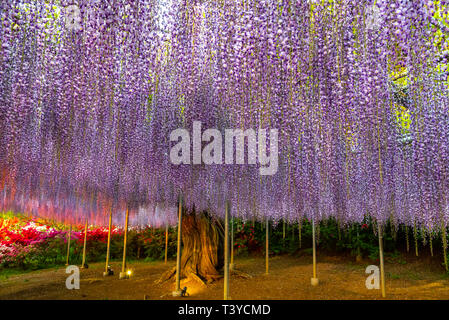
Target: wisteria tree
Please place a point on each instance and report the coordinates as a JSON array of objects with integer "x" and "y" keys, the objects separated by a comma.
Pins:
[{"x": 90, "y": 92}]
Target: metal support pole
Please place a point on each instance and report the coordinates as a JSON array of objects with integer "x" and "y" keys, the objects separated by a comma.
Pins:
[
  {"x": 445, "y": 248},
  {"x": 125, "y": 239},
  {"x": 226, "y": 257},
  {"x": 84, "y": 247},
  {"x": 381, "y": 257},
  {"x": 166, "y": 243},
  {"x": 314, "y": 281},
  {"x": 231, "y": 266},
  {"x": 266, "y": 246},
  {"x": 68, "y": 246},
  {"x": 283, "y": 229},
  {"x": 109, "y": 243},
  {"x": 178, "y": 257}
]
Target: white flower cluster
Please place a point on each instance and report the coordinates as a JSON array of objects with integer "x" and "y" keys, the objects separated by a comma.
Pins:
[{"x": 32, "y": 225}]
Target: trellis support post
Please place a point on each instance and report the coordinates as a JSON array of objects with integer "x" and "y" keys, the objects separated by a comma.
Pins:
[
  {"x": 314, "y": 281},
  {"x": 124, "y": 274}
]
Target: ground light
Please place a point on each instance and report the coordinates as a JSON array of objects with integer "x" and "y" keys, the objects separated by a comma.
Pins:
[{"x": 126, "y": 275}]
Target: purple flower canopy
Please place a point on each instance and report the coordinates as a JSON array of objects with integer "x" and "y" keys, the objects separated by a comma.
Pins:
[{"x": 91, "y": 90}]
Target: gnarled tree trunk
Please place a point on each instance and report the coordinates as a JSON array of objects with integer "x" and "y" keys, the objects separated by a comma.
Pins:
[{"x": 202, "y": 251}]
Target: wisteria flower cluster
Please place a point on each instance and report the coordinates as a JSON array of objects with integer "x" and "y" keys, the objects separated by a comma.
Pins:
[{"x": 357, "y": 89}]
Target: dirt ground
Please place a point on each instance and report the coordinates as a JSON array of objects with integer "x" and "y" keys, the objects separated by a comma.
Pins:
[{"x": 289, "y": 279}]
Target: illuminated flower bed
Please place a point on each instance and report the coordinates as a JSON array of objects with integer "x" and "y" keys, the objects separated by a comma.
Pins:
[{"x": 31, "y": 243}]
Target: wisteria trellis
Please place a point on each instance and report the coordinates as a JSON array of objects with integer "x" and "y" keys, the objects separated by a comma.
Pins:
[{"x": 86, "y": 114}]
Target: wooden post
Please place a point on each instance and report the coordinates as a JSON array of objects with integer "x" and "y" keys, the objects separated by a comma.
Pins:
[
  {"x": 314, "y": 280},
  {"x": 299, "y": 230},
  {"x": 381, "y": 258},
  {"x": 84, "y": 247},
  {"x": 166, "y": 243},
  {"x": 226, "y": 257},
  {"x": 123, "y": 274},
  {"x": 178, "y": 256},
  {"x": 68, "y": 246},
  {"x": 266, "y": 246},
  {"x": 109, "y": 244}
]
